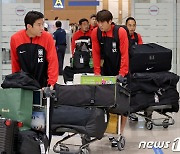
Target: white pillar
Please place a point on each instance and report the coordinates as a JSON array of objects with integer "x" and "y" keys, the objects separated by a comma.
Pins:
[
  {"x": 100, "y": 6},
  {"x": 42, "y": 6},
  {"x": 124, "y": 10},
  {"x": 113, "y": 7}
]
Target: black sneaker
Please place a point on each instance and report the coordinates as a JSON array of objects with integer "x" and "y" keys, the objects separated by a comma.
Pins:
[
  {"x": 114, "y": 143},
  {"x": 111, "y": 138},
  {"x": 133, "y": 117}
]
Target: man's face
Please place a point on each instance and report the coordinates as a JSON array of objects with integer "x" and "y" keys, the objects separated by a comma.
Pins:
[
  {"x": 84, "y": 26},
  {"x": 93, "y": 21},
  {"x": 37, "y": 28},
  {"x": 131, "y": 25},
  {"x": 104, "y": 26}
]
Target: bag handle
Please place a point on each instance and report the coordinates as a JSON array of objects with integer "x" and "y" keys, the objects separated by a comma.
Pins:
[{"x": 93, "y": 91}]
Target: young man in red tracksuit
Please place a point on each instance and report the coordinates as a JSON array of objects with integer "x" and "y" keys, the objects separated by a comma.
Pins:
[
  {"x": 116, "y": 59},
  {"x": 135, "y": 39},
  {"x": 33, "y": 51},
  {"x": 93, "y": 22},
  {"x": 82, "y": 32}
]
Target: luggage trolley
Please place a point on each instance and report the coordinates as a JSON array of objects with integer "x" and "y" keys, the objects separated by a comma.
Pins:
[
  {"x": 60, "y": 147},
  {"x": 42, "y": 104},
  {"x": 164, "y": 121},
  {"x": 72, "y": 130}
]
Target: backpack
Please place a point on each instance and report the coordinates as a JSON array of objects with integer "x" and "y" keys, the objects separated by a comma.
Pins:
[
  {"x": 135, "y": 40},
  {"x": 115, "y": 34},
  {"x": 82, "y": 53}
]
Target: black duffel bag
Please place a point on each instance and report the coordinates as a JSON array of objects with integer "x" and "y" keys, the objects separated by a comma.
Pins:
[
  {"x": 152, "y": 82},
  {"x": 142, "y": 100},
  {"x": 111, "y": 96},
  {"x": 32, "y": 142},
  {"x": 91, "y": 121},
  {"x": 148, "y": 58}
]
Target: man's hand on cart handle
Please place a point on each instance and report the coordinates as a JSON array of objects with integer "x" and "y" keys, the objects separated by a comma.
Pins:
[
  {"x": 121, "y": 79},
  {"x": 48, "y": 91}
]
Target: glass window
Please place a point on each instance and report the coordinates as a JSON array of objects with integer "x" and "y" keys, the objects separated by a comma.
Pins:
[
  {"x": 164, "y": 1},
  {"x": 21, "y": 1},
  {"x": 142, "y": 1}
]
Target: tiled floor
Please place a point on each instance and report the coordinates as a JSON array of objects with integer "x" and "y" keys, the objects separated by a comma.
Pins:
[{"x": 135, "y": 132}]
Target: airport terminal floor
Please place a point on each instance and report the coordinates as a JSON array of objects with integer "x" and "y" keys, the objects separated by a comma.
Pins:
[{"x": 135, "y": 132}]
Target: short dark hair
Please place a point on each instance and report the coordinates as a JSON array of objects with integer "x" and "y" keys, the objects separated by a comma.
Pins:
[
  {"x": 130, "y": 18},
  {"x": 58, "y": 23},
  {"x": 31, "y": 17},
  {"x": 104, "y": 15},
  {"x": 82, "y": 20},
  {"x": 93, "y": 15}
]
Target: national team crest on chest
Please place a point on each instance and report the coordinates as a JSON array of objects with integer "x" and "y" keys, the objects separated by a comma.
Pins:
[{"x": 40, "y": 55}]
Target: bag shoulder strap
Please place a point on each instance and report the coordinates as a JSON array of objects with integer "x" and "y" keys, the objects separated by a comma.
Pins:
[{"x": 136, "y": 37}]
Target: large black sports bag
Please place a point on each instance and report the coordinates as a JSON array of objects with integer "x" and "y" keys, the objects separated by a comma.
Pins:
[
  {"x": 142, "y": 100},
  {"x": 91, "y": 121},
  {"x": 150, "y": 58},
  {"x": 154, "y": 89},
  {"x": 112, "y": 96},
  {"x": 152, "y": 82}
]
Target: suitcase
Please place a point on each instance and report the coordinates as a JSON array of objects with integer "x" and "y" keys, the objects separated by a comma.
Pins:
[
  {"x": 150, "y": 58},
  {"x": 8, "y": 136}
]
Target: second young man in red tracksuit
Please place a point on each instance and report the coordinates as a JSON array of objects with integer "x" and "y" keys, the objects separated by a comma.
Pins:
[{"x": 115, "y": 54}]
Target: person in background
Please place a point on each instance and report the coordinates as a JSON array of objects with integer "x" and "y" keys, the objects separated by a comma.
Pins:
[
  {"x": 112, "y": 53},
  {"x": 60, "y": 42},
  {"x": 83, "y": 31},
  {"x": 135, "y": 39},
  {"x": 93, "y": 22},
  {"x": 46, "y": 27}
]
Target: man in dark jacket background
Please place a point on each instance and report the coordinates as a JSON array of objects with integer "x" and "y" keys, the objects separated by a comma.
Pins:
[{"x": 60, "y": 42}]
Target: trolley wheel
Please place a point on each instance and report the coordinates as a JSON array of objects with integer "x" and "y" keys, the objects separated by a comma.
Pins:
[
  {"x": 165, "y": 123},
  {"x": 85, "y": 139},
  {"x": 149, "y": 125},
  {"x": 121, "y": 143},
  {"x": 85, "y": 151}
]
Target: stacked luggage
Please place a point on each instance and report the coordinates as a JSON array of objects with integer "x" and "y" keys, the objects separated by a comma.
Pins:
[
  {"x": 151, "y": 82},
  {"x": 81, "y": 62},
  {"x": 16, "y": 104},
  {"x": 84, "y": 110}
]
